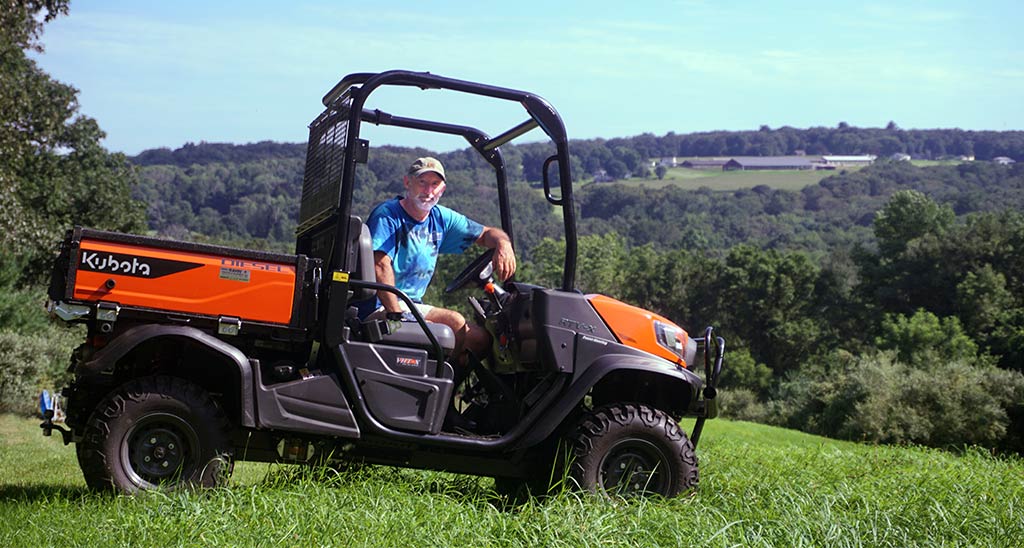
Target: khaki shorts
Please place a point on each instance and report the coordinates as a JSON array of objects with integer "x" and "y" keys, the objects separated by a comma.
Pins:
[{"x": 379, "y": 313}]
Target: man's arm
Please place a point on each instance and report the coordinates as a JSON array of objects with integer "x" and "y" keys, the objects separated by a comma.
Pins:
[
  {"x": 385, "y": 275},
  {"x": 504, "y": 260}
]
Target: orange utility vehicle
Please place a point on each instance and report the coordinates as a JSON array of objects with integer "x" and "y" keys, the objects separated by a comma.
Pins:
[{"x": 197, "y": 355}]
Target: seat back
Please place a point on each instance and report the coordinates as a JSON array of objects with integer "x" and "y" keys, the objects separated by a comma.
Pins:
[
  {"x": 359, "y": 260},
  {"x": 359, "y": 264}
]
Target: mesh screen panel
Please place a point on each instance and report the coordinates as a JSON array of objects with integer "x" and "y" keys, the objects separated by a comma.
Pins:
[{"x": 325, "y": 164}]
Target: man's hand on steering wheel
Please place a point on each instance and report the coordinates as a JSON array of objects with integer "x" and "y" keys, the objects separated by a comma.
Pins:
[
  {"x": 499, "y": 256},
  {"x": 472, "y": 272},
  {"x": 504, "y": 260}
]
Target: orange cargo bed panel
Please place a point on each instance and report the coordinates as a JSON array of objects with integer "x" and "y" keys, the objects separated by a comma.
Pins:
[{"x": 183, "y": 281}]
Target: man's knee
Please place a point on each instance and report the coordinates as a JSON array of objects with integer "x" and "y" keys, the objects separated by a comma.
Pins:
[{"x": 450, "y": 318}]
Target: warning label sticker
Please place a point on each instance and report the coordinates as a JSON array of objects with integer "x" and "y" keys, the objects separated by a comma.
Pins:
[{"x": 236, "y": 274}]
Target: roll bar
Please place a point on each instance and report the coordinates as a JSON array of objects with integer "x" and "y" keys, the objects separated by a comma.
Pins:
[{"x": 350, "y": 94}]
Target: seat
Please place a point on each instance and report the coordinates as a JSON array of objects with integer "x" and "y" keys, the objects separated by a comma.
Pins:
[
  {"x": 411, "y": 334},
  {"x": 359, "y": 259},
  {"x": 359, "y": 263}
]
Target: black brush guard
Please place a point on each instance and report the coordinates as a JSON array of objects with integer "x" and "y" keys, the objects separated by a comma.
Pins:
[{"x": 714, "y": 352}]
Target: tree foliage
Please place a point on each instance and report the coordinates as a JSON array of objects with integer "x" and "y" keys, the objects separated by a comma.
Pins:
[
  {"x": 877, "y": 398},
  {"x": 925, "y": 339},
  {"x": 53, "y": 171}
]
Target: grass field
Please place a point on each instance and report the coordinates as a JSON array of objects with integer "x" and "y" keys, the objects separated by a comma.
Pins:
[
  {"x": 760, "y": 486},
  {"x": 716, "y": 179},
  {"x": 929, "y": 163}
]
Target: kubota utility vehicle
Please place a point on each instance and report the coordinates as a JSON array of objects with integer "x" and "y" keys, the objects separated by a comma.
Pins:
[{"x": 197, "y": 355}]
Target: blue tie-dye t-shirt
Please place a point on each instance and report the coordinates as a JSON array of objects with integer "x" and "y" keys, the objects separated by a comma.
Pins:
[{"x": 413, "y": 246}]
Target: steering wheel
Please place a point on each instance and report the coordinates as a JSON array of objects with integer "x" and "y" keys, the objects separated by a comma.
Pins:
[{"x": 472, "y": 272}]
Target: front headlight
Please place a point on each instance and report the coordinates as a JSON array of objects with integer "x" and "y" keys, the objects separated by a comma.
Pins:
[
  {"x": 677, "y": 341},
  {"x": 690, "y": 354},
  {"x": 671, "y": 337}
]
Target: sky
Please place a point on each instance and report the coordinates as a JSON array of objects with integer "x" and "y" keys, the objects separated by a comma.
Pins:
[{"x": 162, "y": 74}]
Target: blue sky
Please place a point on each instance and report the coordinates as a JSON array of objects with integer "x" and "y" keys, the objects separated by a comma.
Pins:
[{"x": 165, "y": 73}]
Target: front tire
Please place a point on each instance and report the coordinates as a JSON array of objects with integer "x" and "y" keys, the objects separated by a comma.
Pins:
[
  {"x": 630, "y": 450},
  {"x": 153, "y": 432}
]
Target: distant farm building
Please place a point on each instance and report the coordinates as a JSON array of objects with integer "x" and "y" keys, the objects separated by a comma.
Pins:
[
  {"x": 1004, "y": 160},
  {"x": 853, "y": 161},
  {"x": 780, "y": 163},
  {"x": 750, "y": 163},
  {"x": 900, "y": 157},
  {"x": 705, "y": 163}
]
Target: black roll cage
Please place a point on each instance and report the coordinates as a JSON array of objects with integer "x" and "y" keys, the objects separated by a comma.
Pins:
[{"x": 353, "y": 91}]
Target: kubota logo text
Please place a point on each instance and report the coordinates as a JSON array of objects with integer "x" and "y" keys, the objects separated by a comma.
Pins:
[
  {"x": 131, "y": 265},
  {"x": 110, "y": 263}
]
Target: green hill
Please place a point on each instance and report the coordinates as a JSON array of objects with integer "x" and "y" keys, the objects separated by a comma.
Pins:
[
  {"x": 760, "y": 486},
  {"x": 248, "y": 195}
]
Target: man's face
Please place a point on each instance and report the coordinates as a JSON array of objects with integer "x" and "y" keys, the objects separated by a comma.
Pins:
[{"x": 424, "y": 190}]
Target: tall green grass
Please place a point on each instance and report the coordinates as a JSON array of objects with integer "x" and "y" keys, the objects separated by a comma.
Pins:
[{"x": 760, "y": 486}]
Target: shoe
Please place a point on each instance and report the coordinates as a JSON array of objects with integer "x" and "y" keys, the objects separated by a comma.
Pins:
[{"x": 456, "y": 423}]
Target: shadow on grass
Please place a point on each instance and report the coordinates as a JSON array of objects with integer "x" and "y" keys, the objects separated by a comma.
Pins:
[
  {"x": 41, "y": 492},
  {"x": 476, "y": 491},
  {"x": 504, "y": 495}
]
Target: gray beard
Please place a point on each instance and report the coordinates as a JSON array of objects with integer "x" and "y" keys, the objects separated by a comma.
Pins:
[{"x": 420, "y": 204}]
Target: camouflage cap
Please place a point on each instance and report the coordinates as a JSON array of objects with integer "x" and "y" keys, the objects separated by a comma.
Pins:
[{"x": 423, "y": 165}]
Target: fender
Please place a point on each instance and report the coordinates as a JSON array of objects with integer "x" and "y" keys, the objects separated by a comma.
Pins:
[
  {"x": 104, "y": 360},
  {"x": 681, "y": 379}
]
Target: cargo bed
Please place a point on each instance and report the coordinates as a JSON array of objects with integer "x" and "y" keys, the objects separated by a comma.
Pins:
[{"x": 108, "y": 276}]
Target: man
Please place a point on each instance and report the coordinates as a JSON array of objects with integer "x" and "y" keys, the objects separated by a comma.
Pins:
[{"x": 410, "y": 231}]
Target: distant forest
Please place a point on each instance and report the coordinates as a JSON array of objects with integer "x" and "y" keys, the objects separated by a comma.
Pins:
[
  {"x": 249, "y": 193},
  {"x": 593, "y": 154}
]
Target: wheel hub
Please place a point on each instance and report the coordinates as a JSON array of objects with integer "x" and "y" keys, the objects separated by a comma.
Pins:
[
  {"x": 156, "y": 453},
  {"x": 160, "y": 448},
  {"x": 634, "y": 467}
]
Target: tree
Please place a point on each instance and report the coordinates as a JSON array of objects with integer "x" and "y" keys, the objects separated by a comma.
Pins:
[
  {"x": 924, "y": 339},
  {"x": 53, "y": 171},
  {"x": 769, "y": 298},
  {"x": 909, "y": 271},
  {"x": 616, "y": 169},
  {"x": 909, "y": 215},
  {"x": 991, "y": 315},
  {"x": 629, "y": 157},
  {"x": 27, "y": 119},
  {"x": 660, "y": 171}
]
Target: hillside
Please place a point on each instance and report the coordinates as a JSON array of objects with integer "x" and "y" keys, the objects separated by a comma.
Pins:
[
  {"x": 249, "y": 194},
  {"x": 760, "y": 486}
]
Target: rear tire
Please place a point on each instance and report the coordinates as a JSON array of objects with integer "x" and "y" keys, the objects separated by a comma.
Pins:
[
  {"x": 155, "y": 432},
  {"x": 631, "y": 450}
]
